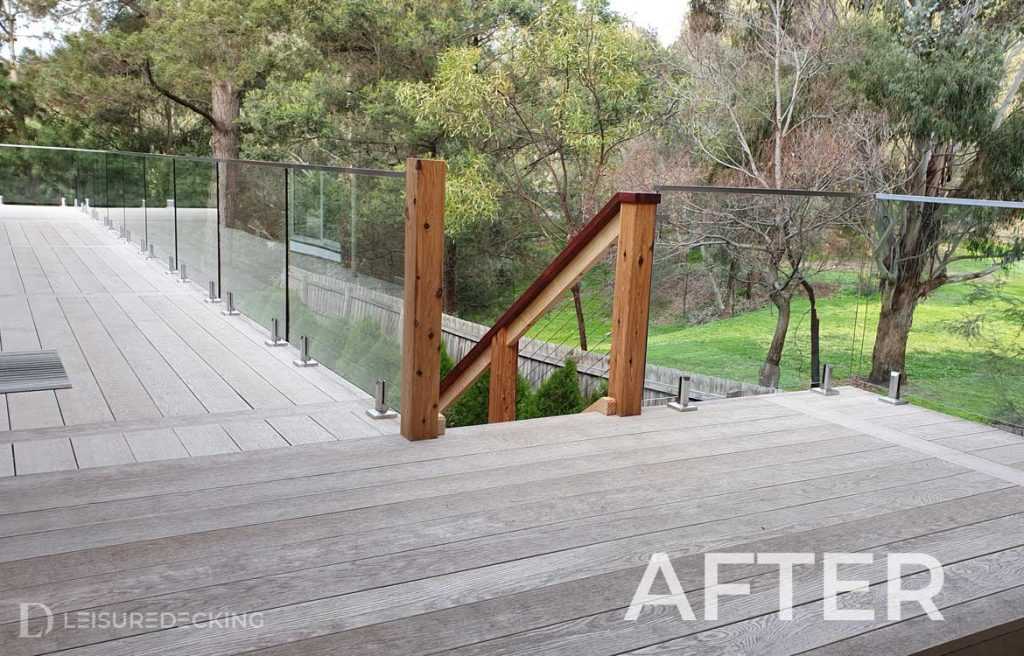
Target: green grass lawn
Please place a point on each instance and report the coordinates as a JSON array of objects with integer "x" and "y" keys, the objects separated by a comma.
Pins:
[{"x": 969, "y": 378}]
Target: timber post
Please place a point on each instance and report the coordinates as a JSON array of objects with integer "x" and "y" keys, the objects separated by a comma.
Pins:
[
  {"x": 501, "y": 402},
  {"x": 421, "y": 314},
  {"x": 631, "y": 305}
]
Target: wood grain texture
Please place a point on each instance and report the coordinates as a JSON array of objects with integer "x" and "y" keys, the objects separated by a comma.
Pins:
[
  {"x": 501, "y": 401},
  {"x": 631, "y": 307},
  {"x": 421, "y": 315}
]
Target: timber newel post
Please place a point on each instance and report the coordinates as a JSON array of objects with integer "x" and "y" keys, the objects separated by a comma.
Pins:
[
  {"x": 501, "y": 401},
  {"x": 631, "y": 306},
  {"x": 421, "y": 313}
]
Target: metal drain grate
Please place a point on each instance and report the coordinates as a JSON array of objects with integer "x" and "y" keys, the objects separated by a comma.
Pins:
[{"x": 31, "y": 371}]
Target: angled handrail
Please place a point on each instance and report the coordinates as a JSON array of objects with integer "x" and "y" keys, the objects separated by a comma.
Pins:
[{"x": 589, "y": 244}]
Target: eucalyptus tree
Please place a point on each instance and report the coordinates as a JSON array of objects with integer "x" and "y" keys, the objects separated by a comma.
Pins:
[
  {"x": 759, "y": 115},
  {"x": 947, "y": 76},
  {"x": 550, "y": 104},
  {"x": 13, "y": 13}
]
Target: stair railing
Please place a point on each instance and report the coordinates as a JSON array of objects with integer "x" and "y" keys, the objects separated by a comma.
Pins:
[{"x": 629, "y": 219}]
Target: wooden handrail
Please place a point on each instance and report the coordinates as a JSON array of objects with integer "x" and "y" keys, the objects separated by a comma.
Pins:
[{"x": 581, "y": 252}]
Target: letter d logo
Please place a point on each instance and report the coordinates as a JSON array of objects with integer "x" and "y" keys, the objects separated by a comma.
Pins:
[{"x": 23, "y": 628}]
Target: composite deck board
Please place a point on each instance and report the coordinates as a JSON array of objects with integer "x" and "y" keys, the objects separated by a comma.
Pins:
[
  {"x": 44, "y": 456},
  {"x": 280, "y": 374},
  {"x": 83, "y": 402},
  {"x": 32, "y": 276},
  {"x": 981, "y": 623},
  {"x": 965, "y": 581},
  {"x": 872, "y": 427},
  {"x": 101, "y": 450},
  {"x": 333, "y": 460},
  {"x": 161, "y": 444},
  {"x": 170, "y": 394},
  {"x": 339, "y": 493},
  {"x": 254, "y": 434},
  {"x": 256, "y": 391},
  {"x": 16, "y": 234},
  {"x": 125, "y": 393},
  {"x": 58, "y": 277},
  {"x": 405, "y": 567},
  {"x": 346, "y": 424},
  {"x": 92, "y": 258},
  {"x": 321, "y": 614},
  {"x": 316, "y": 523},
  {"x": 300, "y": 430},
  {"x": 130, "y": 364},
  {"x": 1011, "y": 453},
  {"x": 476, "y": 533},
  {"x": 536, "y": 542},
  {"x": 585, "y": 630},
  {"x": 209, "y": 387},
  {"x": 83, "y": 276},
  {"x": 10, "y": 277},
  {"x": 331, "y": 385},
  {"x": 115, "y": 256},
  {"x": 206, "y": 440},
  {"x": 981, "y": 440},
  {"x": 26, "y": 410},
  {"x": 175, "y": 421},
  {"x": 527, "y": 537},
  {"x": 369, "y": 461}
]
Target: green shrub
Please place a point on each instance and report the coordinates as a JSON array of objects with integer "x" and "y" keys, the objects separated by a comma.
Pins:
[
  {"x": 560, "y": 393},
  {"x": 470, "y": 409}
]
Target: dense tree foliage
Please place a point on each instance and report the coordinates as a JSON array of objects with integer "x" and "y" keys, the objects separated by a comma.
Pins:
[
  {"x": 544, "y": 107},
  {"x": 938, "y": 71}
]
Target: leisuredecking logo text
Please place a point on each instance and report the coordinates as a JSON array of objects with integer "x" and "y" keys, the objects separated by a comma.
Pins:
[{"x": 151, "y": 620}]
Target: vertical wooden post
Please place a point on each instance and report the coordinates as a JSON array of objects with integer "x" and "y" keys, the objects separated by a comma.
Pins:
[
  {"x": 501, "y": 402},
  {"x": 631, "y": 307},
  {"x": 421, "y": 315}
]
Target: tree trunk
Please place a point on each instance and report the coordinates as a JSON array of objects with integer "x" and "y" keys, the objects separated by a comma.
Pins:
[
  {"x": 894, "y": 322},
  {"x": 815, "y": 335},
  {"x": 911, "y": 253},
  {"x": 581, "y": 324},
  {"x": 686, "y": 291},
  {"x": 12, "y": 44},
  {"x": 730, "y": 287},
  {"x": 225, "y": 102},
  {"x": 713, "y": 280},
  {"x": 770, "y": 374}
]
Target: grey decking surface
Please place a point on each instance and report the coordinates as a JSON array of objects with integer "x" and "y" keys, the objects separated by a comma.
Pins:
[
  {"x": 528, "y": 537},
  {"x": 156, "y": 373}
]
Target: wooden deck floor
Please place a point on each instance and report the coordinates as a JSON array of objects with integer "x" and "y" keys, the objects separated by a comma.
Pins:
[
  {"x": 528, "y": 537},
  {"x": 156, "y": 373}
]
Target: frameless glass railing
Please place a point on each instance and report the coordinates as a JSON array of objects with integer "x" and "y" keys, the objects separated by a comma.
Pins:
[
  {"x": 346, "y": 271},
  {"x": 757, "y": 290},
  {"x": 313, "y": 253},
  {"x": 962, "y": 344}
]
